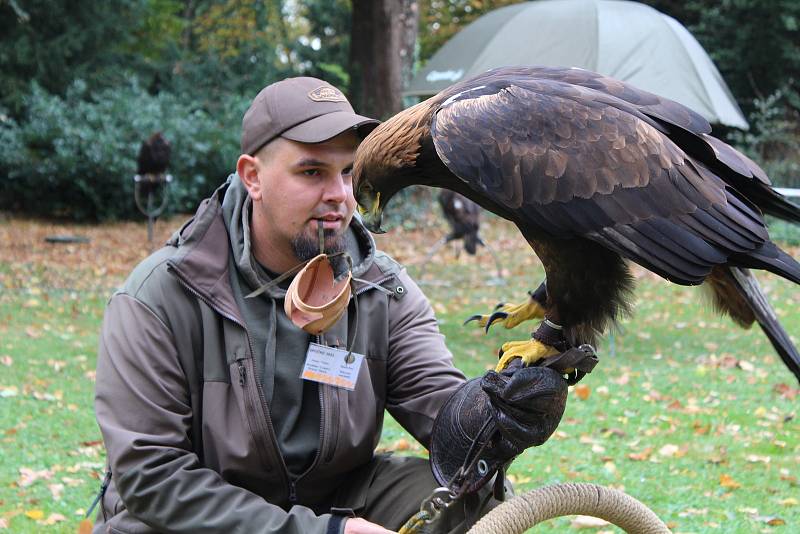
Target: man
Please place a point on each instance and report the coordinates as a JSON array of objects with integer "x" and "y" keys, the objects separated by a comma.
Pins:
[{"x": 207, "y": 424}]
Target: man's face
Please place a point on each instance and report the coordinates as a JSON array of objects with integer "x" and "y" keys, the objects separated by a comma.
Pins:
[{"x": 302, "y": 185}]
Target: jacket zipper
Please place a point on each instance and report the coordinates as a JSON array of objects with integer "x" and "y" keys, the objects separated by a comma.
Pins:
[
  {"x": 379, "y": 281},
  {"x": 294, "y": 480},
  {"x": 269, "y": 432},
  {"x": 291, "y": 482}
]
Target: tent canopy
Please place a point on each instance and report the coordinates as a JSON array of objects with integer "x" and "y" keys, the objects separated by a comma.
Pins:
[{"x": 622, "y": 39}]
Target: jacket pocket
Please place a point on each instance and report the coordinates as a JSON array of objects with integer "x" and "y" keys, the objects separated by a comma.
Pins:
[{"x": 124, "y": 523}]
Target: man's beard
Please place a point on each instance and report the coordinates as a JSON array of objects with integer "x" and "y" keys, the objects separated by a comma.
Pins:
[{"x": 306, "y": 247}]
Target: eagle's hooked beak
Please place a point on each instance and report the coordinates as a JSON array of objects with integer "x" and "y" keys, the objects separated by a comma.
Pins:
[{"x": 369, "y": 207}]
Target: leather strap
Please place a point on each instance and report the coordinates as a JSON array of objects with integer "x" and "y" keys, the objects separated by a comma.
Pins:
[{"x": 581, "y": 361}]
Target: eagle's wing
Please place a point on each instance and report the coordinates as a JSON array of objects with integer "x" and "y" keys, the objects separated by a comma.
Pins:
[
  {"x": 567, "y": 160},
  {"x": 689, "y": 129}
]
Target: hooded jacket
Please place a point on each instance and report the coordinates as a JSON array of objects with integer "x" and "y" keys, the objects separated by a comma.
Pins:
[{"x": 189, "y": 430}]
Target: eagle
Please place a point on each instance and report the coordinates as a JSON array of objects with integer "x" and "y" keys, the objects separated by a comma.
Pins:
[
  {"x": 594, "y": 173},
  {"x": 152, "y": 162},
  {"x": 464, "y": 218},
  {"x": 153, "y": 155}
]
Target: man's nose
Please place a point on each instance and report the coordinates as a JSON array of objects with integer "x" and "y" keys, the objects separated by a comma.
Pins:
[{"x": 336, "y": 189}]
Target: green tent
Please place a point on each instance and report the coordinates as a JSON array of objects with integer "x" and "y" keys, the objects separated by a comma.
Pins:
[{"x": 622, "y": 39}]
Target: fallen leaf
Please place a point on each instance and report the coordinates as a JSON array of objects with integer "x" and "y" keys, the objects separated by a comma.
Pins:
[
  {"x": 582, "y": 391},
  {"x": 34, "y": 514},
  {"x": 726, "y": 481},
  {"x": 56, "y": 490},
  {"x": 641, "y": 456},
  {"x": 669, "y": 450},
  {"x": 7, "y": 360},
  {"x": 622, "y": 380},
  {"x": 52, "y": 519},
  {"x": 33, "y": 332},
  {"x": 29, "y": 476},
  {"x": 786, "y": 391},
  {"x": 401, "y": 444},
  {"x": 791, "y": 501},
  {"x": 770, "y": 520},
  {"x": 85, "y": 526},
  {"x": 44, "y": 396}
]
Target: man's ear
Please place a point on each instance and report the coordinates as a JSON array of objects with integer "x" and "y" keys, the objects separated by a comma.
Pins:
[{"x": 247, "y": 169}]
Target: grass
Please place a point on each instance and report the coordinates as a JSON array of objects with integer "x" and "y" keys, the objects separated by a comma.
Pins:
[{"x": 687, "y": 413}]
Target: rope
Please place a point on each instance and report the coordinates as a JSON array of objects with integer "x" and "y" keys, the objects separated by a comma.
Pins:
[
  {"x": 415, "y": 523},
  {"x": 523, "y": 512}
]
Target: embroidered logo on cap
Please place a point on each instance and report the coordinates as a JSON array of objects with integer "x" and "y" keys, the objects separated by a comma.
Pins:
[{"x": 326, "y": 93}]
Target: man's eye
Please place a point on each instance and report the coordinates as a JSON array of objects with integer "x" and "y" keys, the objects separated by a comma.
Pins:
[
  {"x": 347, "y": 171},
  {"x": 311, "y": 172}
]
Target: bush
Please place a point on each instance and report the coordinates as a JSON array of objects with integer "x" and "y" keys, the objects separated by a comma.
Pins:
[
  {"x": 75, "y": 157},
  {"x": 774, "y": 137}
]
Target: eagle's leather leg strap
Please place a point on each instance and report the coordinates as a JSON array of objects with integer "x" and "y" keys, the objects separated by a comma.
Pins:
[
  {"x": 581, "y": 361},
  {"x": 552, "y": 335}
]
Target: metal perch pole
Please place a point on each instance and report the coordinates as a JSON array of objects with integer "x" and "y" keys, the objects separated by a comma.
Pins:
[{"x": 147, "y": 185}]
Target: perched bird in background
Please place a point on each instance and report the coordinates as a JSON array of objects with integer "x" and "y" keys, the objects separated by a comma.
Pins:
[
  {"x": 592, "y": 171},
  {"x": 463, "y": 216},
  {"x": 153, "y": 161}
]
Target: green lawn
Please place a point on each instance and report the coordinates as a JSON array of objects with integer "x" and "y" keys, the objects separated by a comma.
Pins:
[{"x": 687, "y": 413}]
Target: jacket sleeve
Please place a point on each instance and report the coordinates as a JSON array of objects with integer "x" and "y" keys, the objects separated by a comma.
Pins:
[
  {"x": 143, "y": 409},
  {"x": 421, "y": 375}
]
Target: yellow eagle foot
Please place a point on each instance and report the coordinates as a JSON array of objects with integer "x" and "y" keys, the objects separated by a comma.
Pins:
[
  {"x": 510, "y": 315},
  {"x": 531, "y": 351}
]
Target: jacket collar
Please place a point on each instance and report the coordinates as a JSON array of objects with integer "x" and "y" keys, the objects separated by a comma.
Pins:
[{"x": 203, "y": 264}]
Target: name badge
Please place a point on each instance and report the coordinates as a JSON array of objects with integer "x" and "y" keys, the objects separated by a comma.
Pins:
[{"x": 328, "y": 365}]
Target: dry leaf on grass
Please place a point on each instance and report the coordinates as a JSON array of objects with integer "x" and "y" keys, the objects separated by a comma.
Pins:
[
  {"x": 582, "y": 391},
  {"x": 641, "y": 456},
  {"x": 726, "y": 481},
  {"x": 29, "y": 476},
  {"x": 52, "y": 519}
]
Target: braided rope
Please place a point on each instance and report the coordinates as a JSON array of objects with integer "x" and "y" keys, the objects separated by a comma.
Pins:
[
  {"x": 526, "y": 510},
  {"x": 415, "y": 523}
]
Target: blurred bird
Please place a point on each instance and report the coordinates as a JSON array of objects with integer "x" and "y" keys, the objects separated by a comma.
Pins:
[
  {"x": 592, "y": 171},
  {"x": 152, "y": 162},
  {"x": 463, "y": 216}
]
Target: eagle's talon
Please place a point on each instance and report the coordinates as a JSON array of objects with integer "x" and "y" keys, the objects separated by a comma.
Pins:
[
  {"x": 510, "y": 315},
  {"x": 476, "y": 317},
  {"x": 530, "y": 351},
  {"x": 493, "y": 318}
]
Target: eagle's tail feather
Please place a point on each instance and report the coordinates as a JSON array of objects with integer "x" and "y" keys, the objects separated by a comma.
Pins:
[
  {"x": 750, "y": 290},
  {"x": 770, "y": 258}
]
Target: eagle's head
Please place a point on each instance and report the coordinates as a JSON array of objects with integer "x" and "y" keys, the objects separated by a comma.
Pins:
[{"x": 386, "y": 161}]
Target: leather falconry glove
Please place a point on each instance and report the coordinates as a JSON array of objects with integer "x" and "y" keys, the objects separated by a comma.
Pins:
[{"x": 490, "y": 420}]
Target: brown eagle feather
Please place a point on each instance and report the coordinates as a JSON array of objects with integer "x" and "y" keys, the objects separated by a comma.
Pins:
[{"x": 592, "y": 171}]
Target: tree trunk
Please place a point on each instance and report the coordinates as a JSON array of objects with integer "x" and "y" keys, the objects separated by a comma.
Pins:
[{"x": 381, "y": 54}]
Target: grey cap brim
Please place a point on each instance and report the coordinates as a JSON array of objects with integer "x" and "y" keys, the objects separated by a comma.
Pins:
[{"x": 330, "y": 125}]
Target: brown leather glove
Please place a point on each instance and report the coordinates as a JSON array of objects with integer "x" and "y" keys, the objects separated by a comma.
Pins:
[{"x": 490, "y": 420}]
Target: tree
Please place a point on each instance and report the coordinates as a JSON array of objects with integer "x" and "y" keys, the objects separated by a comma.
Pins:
[
  {"x": 441, "y": 19},
  {"x": 382, "y": 34},
  {"x": 54, "y": 43}
]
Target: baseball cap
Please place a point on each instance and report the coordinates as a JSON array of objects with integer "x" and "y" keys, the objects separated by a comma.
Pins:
[{"x": 302, "y": 109}]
